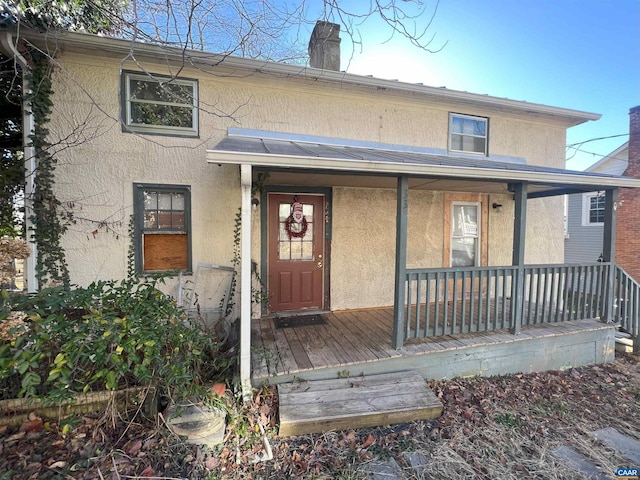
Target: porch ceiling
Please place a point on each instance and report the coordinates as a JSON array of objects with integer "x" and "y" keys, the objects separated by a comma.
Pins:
[
  {"x": 304, "y": 179},
  {"x": 330, "y": 163}
]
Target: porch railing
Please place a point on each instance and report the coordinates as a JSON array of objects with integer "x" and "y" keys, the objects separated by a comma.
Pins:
[
  {"x": 556, "y": 293},
  {"x": 627, "y": 306},
  {"x": 444, "y": 301}
]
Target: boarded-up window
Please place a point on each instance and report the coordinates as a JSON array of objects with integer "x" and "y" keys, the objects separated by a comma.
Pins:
[
  {"x": 166, "y": 252},
  {"x": 163, "y": 227}
]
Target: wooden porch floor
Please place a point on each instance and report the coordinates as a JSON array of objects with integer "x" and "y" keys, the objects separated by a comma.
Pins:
[{"x": 356, "y": 342}]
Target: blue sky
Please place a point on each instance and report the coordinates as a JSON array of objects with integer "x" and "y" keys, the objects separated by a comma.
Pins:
[{"x": 578, "y": 54}]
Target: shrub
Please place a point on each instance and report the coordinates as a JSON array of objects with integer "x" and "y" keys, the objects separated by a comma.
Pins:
[{"x": 110, "y": 335}]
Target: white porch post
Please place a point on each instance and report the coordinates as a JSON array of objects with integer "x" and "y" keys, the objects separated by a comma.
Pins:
[
  {"x": 28, "y": 126},
  {"x": 245, "y": 283}
]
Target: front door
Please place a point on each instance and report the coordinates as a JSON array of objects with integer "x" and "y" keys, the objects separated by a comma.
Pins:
[{"x": 295, "y": 236}]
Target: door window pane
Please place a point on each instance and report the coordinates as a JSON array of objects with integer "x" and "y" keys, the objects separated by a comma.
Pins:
[
  {"x": 284, "y": 251},
  {"x": 284, "y": 211},
  {"x": 294, "y": 247},
  {"x": 307, "y": 251},
  {"x": 296, "y": 250}
]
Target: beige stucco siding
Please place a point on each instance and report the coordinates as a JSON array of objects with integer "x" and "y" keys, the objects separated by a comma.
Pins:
[
  {"x": 98, "y": 173},
  {"x": 364, "y": 243}
]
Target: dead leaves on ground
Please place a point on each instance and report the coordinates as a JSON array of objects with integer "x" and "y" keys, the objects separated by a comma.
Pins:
[{"x": 479, "y": 414}]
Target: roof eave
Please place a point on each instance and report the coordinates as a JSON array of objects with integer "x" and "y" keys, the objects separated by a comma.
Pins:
[
  {"x": 394, "y": 168},
  {"x": 609, "y": 157},
  {"x": 81, "y": 41}
]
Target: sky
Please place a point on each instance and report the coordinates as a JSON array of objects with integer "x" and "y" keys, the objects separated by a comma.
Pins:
[{"x": 577, "y": 54}]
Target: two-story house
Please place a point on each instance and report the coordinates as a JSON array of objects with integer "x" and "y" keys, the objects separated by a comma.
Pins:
[{"x": 423, "y": 213}]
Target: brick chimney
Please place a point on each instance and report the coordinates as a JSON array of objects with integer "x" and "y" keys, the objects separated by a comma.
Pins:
[
  {"x": 324, "y": 46},
  {"x": 628, "y": 222}
]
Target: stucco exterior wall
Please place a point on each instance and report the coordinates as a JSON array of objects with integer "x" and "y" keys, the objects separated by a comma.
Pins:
[
  {"x": 364, "y": 243},
  {"x": 98, "y": 174}
]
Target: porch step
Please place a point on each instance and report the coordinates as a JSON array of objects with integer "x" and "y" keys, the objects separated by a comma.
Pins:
[
  {"x": 624, "y": 342},
  {"x": 355, "y": 402}
]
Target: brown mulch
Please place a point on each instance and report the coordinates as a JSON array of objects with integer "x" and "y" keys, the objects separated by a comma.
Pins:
[{"x": 499, "y": 427}]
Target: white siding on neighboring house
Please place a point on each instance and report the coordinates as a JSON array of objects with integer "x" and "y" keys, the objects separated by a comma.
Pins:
[
  {"x": 584, "y": 240},
  {"x": 584, "y": 243}
]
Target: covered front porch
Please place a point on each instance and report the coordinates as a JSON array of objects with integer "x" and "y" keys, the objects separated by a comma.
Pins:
[{"x": 443, "y": 320}]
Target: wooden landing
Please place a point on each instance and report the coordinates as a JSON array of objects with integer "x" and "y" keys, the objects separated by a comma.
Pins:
[{"x": 355, "y": 402}]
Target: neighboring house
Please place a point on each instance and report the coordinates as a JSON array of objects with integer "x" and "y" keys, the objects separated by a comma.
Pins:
[
  {"x": 628, "y": 231},
  {"x": 585, "y": 212},
  {"x": 355, "y": 194}
]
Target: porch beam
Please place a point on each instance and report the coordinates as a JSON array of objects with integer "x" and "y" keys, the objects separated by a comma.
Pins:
[
  {"x": 245, "y": 282},
  {"x": 517, "y": 259},
  {"x": 560, "y": 191},
  {"x": 508, "y": 173},
  {"x": 401, "y": 261},
  {"x": 609, "y": 249}
]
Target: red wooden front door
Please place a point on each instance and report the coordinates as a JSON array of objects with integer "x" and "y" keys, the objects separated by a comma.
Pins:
[{"x": 296, "y": 257}]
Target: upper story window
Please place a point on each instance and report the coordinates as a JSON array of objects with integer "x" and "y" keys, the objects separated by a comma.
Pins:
[
  {"x": 593, "y": 208},
  {"x": 160, "y": 105},
  {"x": 468, "y": 134}
]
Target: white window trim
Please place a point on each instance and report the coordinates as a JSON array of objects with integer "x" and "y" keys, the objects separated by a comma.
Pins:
[
  {"x": 586, "y": 208},
  {"x": 478, "y": 235},
  {"x": 472, "y": 117},
  {"x": 159, "y": 129}
]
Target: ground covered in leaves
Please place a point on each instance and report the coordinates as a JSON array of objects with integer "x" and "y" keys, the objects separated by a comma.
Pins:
[{"x": 500, "y": 427}]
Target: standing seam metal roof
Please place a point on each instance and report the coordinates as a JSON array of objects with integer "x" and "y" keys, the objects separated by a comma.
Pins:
[{"x": 264, "y": 146}]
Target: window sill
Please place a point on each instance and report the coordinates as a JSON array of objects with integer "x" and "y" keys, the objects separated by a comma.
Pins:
[
  {"x": 165, "y": 273},
  {"x": 160, "y": 132}
]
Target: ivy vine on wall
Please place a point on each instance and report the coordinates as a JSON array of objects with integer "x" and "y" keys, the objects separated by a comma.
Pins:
[{"x": 50, "y": 219}]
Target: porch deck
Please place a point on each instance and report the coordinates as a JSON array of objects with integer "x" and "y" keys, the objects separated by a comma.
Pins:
[{"x": 356, "y": 342}]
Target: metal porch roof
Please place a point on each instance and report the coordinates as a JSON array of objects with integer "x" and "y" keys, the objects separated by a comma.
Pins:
[{"x": 331, "y": 157}]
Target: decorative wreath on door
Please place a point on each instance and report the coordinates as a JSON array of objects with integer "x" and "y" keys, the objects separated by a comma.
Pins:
[{"x": 296, "y": 218}]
